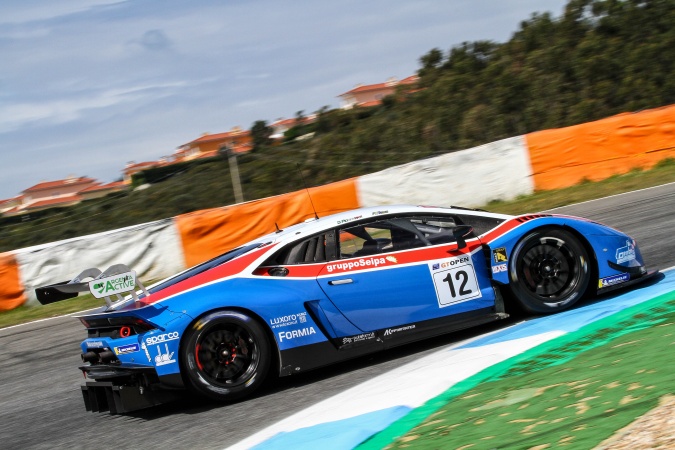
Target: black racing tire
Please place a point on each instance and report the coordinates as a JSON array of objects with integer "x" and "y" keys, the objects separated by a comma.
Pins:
[
  {"x": 225, "y": 356},
  {"x": 549, "y": 271}
]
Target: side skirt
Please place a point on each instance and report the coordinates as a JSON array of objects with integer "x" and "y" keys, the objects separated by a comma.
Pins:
[{"x": 312, "y": 356}]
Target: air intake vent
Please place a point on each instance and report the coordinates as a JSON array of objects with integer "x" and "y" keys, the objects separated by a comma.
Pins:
[{"x": 532, "y": 216}]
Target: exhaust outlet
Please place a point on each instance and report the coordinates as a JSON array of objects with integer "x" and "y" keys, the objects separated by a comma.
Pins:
[{"x": 89, "y": 357}]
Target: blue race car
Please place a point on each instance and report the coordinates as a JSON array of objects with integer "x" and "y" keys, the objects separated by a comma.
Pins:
[{"x": 330, "y": 289}]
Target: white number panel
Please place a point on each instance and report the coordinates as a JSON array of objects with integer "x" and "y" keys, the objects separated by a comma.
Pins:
[{"x": 455, "y": 280}]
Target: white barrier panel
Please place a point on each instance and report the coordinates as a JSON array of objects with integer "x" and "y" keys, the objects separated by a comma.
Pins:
[
  {"x": 152, "y": 249},
  {"x": 496, "y": 171}
]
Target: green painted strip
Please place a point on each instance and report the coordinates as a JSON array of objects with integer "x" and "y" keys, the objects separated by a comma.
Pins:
[{"x": 551, "y": 354}]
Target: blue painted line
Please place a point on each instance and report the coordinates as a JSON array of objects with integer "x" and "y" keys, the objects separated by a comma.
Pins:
[{"x": 338, "y": 435}]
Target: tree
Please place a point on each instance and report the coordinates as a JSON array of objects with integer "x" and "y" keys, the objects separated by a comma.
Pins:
[{"x": 261, "y": 134}]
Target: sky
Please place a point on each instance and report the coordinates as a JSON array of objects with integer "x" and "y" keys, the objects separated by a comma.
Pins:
[{"x": 87, "y": 86}]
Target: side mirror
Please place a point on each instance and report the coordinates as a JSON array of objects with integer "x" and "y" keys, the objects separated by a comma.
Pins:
[{"x": 460, "y": 232}]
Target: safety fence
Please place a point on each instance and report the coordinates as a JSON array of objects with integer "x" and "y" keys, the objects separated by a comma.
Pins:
[{"x": 499, "y": 170}]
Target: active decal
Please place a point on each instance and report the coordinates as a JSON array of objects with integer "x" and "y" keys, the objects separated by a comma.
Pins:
[
  {"x": 162, "y": 338},
  {"x": 390, "y": 331},
  {"x": 130, "y": 348},
  {"x": 627, "y": 253},
  {"x": 455, "y": 280},
  {"x": 162, "y": 359},
  {"x": 614, "y": 279},
  {"x": 285, "y": 321},
  {"x": 362, "y": 263},
  {"x": 104, "y": 287},
  {"x": 302, "y": 332},
  {"x": 499, "y": 255},
  {"x": 358, "y": 338},
  {"x": 499, "y": 268}
]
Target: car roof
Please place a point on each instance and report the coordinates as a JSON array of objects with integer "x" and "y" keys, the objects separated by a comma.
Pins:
[{"x": 312, "y": 226}]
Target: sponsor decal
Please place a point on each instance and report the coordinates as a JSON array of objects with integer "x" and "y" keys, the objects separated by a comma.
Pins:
[
  {"x": 455, "y": 281},
  {"x": 289, "y": 320},
  {"x": 126, "y": 349},
  {"x": 162, "y": 359},
  {"x": 390, "y": 331},
  {"x": 626, "y": 253},
  {"x": 450, "y": 263},
  {"x": 358, "y": 338},
  {"x": 162, "y": 338},
  {"x": 614, "y": 279},
  {"x": 377, "y": 213},
  {"x": 147, "y": 353},
  {"x": 360, "y": 264},
  {"x": 104, "y": 287},
  {"x": 302, "y": 332},
  {"x": 499, "y": 255},
  {"x": 499, "y": 268},
  {"x": 94, "y": 344},
  {"x": 340, "y": 222}
]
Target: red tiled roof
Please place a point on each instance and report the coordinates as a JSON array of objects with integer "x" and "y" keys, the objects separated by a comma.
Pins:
[
  {"x": 54, "y": 201},
  {"x": 217, "y": 136},
  {"x": 412, "y": 79},
  {"x": 368, "y": 87},
  {"x": 102, "y": 187},
  {"x": 59, "y": 183}
]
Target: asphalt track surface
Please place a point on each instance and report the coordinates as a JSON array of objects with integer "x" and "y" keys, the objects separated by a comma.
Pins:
[{"x": 41, "y": 405}]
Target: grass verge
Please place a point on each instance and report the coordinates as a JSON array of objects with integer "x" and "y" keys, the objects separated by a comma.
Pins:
[{"x": 574, "y": 391}]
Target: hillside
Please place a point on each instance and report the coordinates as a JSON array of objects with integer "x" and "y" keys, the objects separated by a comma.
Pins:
[{"x": 598, "y": 59}]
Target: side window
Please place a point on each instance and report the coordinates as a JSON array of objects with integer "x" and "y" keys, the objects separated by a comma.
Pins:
[
  {"x": 309, "y": 251},
  {"x": 391, "y": 235},
  {"x": 437, "y": 230},
  {"x": 364, "y": 241},
  {"x": 378, "y": 237}
]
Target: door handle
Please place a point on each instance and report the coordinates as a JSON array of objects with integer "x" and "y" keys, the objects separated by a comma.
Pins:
[{"x": 342, "y": 281}]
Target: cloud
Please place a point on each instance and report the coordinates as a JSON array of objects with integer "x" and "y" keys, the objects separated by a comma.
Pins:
[
  {"x": 22, "y": 12},
  {"x": 155, "y": 40}
]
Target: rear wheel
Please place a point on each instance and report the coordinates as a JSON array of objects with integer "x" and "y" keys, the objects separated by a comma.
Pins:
[
  {"x": 225, "y": 356},
  {"x": 549, "y": 271}
]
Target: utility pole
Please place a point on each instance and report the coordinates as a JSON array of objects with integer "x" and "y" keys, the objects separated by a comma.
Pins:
[{"x": 226, "y": 152}]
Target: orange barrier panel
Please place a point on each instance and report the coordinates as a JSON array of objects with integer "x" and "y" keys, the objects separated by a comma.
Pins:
[
  {"x": 597, "y": 150},
  {"x": 11, "y": 290},
  {"x": 208, "y": 233}
]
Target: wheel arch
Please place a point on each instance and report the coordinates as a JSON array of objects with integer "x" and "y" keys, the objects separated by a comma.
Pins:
[
  {"x": 253, "y": 315},
  {"x": 594, "y": 263}
]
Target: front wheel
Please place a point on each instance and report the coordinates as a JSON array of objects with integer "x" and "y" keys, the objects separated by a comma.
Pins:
[
  {"x": 549, "y": 271},
  {"x": 225, "y": 356}
]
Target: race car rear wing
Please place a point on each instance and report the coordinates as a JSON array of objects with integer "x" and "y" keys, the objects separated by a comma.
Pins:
[{"x": 114, "y": 281}]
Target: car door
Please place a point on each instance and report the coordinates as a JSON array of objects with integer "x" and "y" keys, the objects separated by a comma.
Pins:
[{"x": 396, "y": 271}]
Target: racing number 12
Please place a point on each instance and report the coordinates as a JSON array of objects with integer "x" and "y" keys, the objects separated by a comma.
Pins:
[
  {"x": 462, "y": 287},
  {"x": 455, "y": 285}
]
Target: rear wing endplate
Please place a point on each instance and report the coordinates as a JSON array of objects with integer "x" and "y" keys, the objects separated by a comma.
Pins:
[{"x": 113, "y": 282}]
